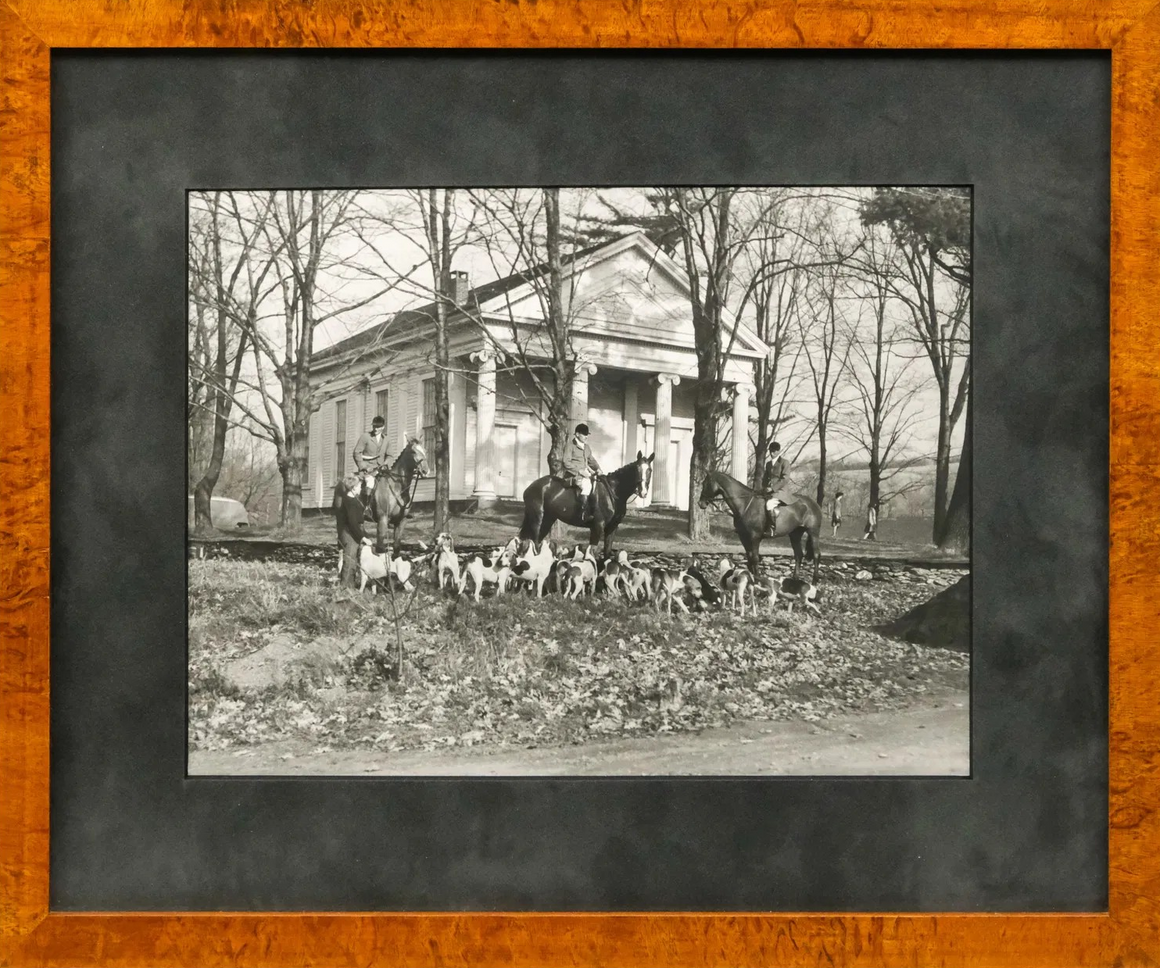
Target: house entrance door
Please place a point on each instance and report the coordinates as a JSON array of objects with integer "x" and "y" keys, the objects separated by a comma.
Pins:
[{"x": 506, "y": 452}]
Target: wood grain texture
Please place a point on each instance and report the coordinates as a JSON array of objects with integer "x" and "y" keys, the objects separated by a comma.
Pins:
[
  {"x": 579, "y": 23},
  {"x": 1134, "y": 835},
  {"x": 24, "y": 476},
  {"x": 1127, "y": 935}
]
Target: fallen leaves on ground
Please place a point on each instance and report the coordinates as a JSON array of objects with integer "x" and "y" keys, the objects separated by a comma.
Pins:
[{"x": 536, "y": 672}]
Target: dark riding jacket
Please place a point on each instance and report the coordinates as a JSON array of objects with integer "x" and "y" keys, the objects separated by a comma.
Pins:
[
  {"x": 776, "y": 475},
  {"x": 578, "y": 459},
  {"x": 369, "y": 453}
]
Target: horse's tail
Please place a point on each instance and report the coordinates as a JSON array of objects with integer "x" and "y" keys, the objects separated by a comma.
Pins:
[
  {"x": 337, "y": 502},
  {"x": 533, "y": 512}
]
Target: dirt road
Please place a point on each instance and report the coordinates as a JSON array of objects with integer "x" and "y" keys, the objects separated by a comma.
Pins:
[{"x": 930, "y": 740}]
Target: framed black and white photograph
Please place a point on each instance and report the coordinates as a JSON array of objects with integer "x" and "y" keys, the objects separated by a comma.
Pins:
[
  {"x": 540, "y": 483},
  {"x": 667, "y": 480}
]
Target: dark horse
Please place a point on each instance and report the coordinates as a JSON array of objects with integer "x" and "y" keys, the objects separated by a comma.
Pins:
[
  {"x": 801, "y": 519},
  {"x": 391, "y": 499},
  {"x": 550, "y": 499}
]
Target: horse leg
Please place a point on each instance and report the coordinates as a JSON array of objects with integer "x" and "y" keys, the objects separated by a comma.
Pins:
[
  {"x": 382, "y": 525},
  {"x": 752, "y": 554},
  {"x": 795, "y": 539},
  {"x": 533, "y": 523},
  {"x": 596, "y": 536},
  {"x": 545, "y": 528}
]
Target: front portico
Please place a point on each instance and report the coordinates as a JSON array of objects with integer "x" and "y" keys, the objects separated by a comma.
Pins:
[{"x": 634, "y": 380}]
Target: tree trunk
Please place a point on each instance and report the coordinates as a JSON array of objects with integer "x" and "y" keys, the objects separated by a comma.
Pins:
[
  {"x": 956, "y": 533},
  {"x": 442, "y": 444},
  {"x": 203, "y": 492},
  {"x": 704, "y": 446},
  {"x": 560, "y": 404},
  {"x": 293, "y": 468},
  {"x": 223, "y": 398},
  {"x": 821, "y": 498},
  {"x": 762, "y": 446},
  {"x": 558, "y": 417},
  {"x": 942, "y": 465},
  {"x": 442, "y": 253}
]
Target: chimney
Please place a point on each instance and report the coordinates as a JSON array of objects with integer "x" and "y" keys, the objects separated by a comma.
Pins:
[{"x": 459, "y": 287}]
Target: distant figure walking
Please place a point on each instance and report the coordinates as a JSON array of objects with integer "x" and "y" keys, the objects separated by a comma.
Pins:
[
  {"x": 836, "y": 512},
  {"x": 871, "y": 523}
]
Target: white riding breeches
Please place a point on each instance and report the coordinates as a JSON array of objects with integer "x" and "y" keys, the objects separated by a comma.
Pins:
[{"x": 585, "y": 485}]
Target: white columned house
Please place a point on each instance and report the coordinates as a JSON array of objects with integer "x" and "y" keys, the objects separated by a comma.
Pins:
[{"x": 634, "y": 378}]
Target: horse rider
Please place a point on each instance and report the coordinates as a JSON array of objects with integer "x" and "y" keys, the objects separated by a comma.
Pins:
[
  {"x": 775, "y": 483},
  {"x": 582, "y": 468},
  {"x": 371, "y": 452}
]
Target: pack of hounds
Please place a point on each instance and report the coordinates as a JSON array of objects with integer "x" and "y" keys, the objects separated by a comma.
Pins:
[{"x": 546, "y": 568}]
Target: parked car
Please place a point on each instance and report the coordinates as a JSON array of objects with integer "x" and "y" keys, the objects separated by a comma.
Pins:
[{"x": 226, "y": 513}]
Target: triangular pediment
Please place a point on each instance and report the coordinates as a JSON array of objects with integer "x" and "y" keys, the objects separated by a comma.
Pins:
[{"x": 626, "y": 290}]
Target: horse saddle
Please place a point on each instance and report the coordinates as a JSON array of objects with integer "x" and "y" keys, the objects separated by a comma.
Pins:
[
  {"x": 572, "y": 481},
  {"x": 365, "y": 497}
]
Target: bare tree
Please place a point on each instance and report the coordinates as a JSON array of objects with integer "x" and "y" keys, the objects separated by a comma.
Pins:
[
  {"x": 225, "y": 288},
  {"x": 250, "y": 473},
  {"x": 523, "y": 236},
  {"x": 931, "y": 231},
  {"x": 827, "y": 342},
  {"x": 777, "y": 280},
  {"x": 321, "y": 273},
  {"x": 202, "y": 345},
  {"x": 438, "y": 218},
  {"x": 883, "y": 415},
  {"x": 709, "y": 238}
]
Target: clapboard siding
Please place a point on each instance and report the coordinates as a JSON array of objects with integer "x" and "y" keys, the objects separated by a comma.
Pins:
[
  {"x": 311, "y": 485},
  {"x": 326, "y": 448}
]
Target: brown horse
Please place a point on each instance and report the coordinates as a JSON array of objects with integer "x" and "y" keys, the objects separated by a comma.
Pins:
[
  {"x": 802, "y": 518},
  {"x": 550, "y": 499},
  {"x": 391, "y": 499}
]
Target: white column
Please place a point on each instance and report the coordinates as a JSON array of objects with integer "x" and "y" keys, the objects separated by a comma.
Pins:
[
  {"x": 741, "y": 394},
  {"x": 662, "y": 437},
  {"x": 484, "y": 426},
  {"x": 581, "y": 371},
  {"x": 631, "y": 420}
]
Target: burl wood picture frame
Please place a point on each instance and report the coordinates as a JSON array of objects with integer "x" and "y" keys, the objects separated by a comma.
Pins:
[{"x": 1127, "y": 934}]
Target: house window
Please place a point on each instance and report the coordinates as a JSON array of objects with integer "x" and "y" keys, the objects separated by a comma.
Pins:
[
  {"x": 429, "y": 415},
  {"x": 381, "y": 404},
  {"x": 340, "y": 438}
]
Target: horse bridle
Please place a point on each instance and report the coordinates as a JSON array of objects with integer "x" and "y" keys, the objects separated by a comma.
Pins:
[{"x": 395, "y": 477}]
